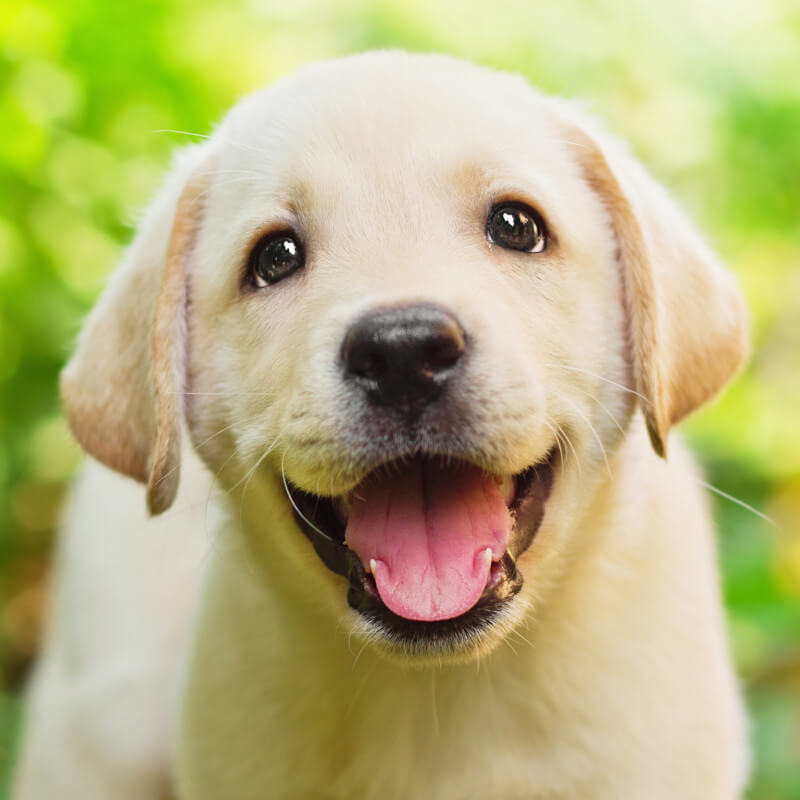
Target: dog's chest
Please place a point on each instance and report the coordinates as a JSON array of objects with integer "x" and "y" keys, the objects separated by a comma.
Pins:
[
  {"x": 309, "y": 714},
  {"x": 361, "y": 735}
]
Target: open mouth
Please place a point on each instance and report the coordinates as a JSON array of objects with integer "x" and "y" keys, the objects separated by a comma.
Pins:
[{"x": 429, "y": 544}]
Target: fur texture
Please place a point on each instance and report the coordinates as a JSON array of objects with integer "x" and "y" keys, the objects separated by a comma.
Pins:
[{"x": 208, "y": 653}]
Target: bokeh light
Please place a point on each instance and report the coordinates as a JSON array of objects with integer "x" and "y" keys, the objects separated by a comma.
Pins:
[{"x": 707, "y": 93}]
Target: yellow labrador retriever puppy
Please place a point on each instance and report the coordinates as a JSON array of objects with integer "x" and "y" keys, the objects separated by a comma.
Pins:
[{"x": 428, "y": 330}]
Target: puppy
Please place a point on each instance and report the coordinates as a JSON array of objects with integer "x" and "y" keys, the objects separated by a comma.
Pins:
[{"x": 428, "y": 330}]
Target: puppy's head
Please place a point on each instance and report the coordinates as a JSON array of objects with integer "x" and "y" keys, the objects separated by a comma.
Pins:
[{"x": 407, "y": 308}]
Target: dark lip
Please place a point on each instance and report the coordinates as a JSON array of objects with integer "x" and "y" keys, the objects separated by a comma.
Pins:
[{"x": 316, "y": 517}]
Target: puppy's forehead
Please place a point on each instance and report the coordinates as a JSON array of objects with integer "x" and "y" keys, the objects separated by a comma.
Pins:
[{"x": 390, "y": 124}]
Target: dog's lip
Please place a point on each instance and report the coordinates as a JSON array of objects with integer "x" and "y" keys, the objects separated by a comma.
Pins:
[{"x": 324, "y": 525}]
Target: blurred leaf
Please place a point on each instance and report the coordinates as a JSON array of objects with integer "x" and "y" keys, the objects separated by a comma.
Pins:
[{"x": 708, "y": 94}]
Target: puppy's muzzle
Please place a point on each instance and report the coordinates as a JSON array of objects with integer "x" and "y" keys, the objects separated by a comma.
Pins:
[
  {"x": 428, "y": 538},
  {"x": 403, "y": 357}
]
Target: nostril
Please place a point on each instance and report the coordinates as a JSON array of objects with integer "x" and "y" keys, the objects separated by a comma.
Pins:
[
  {"x": 445, "y": 348},
  {"x": 366, "y": 363}
]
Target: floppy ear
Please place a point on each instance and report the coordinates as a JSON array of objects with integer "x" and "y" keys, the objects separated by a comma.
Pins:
[
  {"x": 123, "y": 387},
  {"x": 689, "y": 330}
]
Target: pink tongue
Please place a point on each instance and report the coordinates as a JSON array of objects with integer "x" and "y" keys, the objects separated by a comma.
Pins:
[{"x": 428, "y": 529}]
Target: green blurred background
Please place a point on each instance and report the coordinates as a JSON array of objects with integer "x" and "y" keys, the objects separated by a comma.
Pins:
[{"x": 708, "y": 92}]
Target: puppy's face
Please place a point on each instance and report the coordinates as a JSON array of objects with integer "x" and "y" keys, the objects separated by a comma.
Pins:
[{"x": 412, "y": 313}]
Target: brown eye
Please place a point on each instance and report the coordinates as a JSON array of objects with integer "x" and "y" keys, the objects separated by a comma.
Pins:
[
  {"x": 274, "y": 258},
  {"x": 516, "y": 227}
]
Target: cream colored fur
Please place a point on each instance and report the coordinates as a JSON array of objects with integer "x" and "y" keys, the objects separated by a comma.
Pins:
[{"x": 207, "y": 653}]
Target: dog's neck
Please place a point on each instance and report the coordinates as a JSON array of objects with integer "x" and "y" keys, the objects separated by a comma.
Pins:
[
  {"x": 272, "y": 648},
  {"x": 305, "y": 687}
]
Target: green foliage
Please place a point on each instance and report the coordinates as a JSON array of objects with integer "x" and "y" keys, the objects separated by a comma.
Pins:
[{"x": 708, "y": 94}]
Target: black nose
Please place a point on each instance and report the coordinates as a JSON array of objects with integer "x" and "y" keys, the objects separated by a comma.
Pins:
[{"x": 403, "y": 357}]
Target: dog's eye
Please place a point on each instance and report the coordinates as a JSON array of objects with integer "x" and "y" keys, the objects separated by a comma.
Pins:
[
  {"x": 516, "y": 227},
  {"x": 274, "y": 258}
]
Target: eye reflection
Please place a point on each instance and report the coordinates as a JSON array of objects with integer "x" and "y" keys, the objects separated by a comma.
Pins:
[
  {"x": 515, "y": 226},
  {"x": 274, "y": 258}
]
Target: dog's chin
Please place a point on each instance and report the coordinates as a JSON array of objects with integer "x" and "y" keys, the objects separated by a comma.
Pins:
[
  {"x": 419, "y": 638},
  {"x": 463, "y": 639}
]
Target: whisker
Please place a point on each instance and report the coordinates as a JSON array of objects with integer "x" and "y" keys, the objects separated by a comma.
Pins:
[
  {"x": 196, "y": 447},
  {"x": 224, "y": 138},
  {"x": 602, "y": 406},
  {"x": 523, "y": 638},
  {"x": 294, "y": 505},
  {"x": 182, "y": 133},
  {"x": 705, "y": 484},
  {"x": 736, "y": 500},
  {"x": 594, "y": 432},
  {"x": 358, "y": 655},
  {"x": 568, "y": 441},
  {"x": 215, "y": 484},
  {"x": 252, "y": 471},
  {"x": 558, "y": 444},
  {"x": 601, "y": 378}
]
